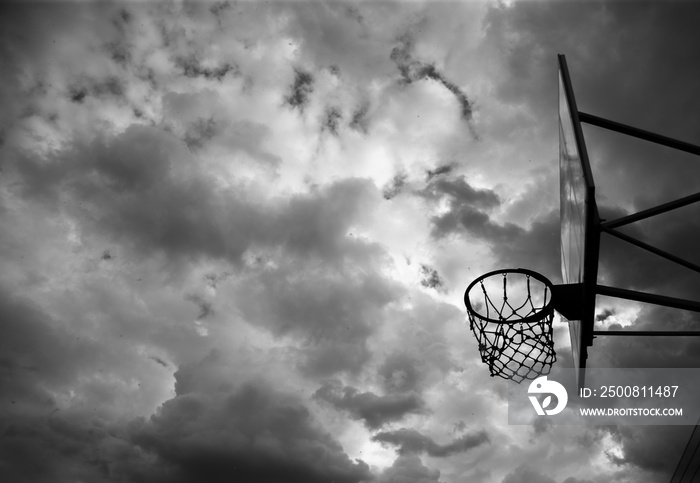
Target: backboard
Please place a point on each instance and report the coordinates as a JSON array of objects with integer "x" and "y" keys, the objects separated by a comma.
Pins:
[
  {"x": 579, "y": 216},
  {"x": 512, "y": 349}
]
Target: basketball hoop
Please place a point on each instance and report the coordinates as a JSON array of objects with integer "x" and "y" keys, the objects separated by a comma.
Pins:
[{"x": 513, "y": 323}]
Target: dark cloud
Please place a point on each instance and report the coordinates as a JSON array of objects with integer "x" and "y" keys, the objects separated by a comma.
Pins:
[
  {"x": 432, "y": 73},
  {"x": 39, "y": 352},
  {"x": 526, "y": 39},
  {"x": 335, "y": 70},
  {"x": 170, "y": 33},
  {"x": 590, "y": 437},
  {"x": 59, "y": 389},
  {"x": 204, "y": 306},
  {"x": 431, "y": 278},
  {"x": 354, "y": 13},
  {"x": 201, "y": 116},
  {"x": 192, "y": 67},
  {"x": 410, "y": 441},
  {"x": 252, "y": 138},
  {"x": 214, "y": 279},
  {"x": 318, "y": 222},
  {"x": 395, "y": 186},
  {"x": 61, "y": 447},
  {"x": 408, "y": 469},
  {"x": 402, "y": 57},
  {"x": 302, "y": 87},
  {"x": 253, "y": 433},
  {"x": 215, "y": 428},
  {"x": 400, "y": 373},
  {"x": 459, "y": 192},
  {"x": 667, "y": 109},
  {"x": 331, "y": 119},
  {"x": 427, "y": 352},
  {"x": 535, "y": 247},
  {"x": 143, "y": 168},
  {"x": 218, "y": 7},
  {"x": 210, "y": 374},
  {"x": 111, "y": 86},
  {"x": 125, "y": 16},
  {"x": 540, "y": 427},
  {"x": 332, "y": 311},
  {"x": 412, "y": 70},
  {"x": 77, "y": 94},
  {"x": 147, "y": 167},
  {"x": 122, "y": 20},
  {"x": 601, "y": 317},
  {"x": 655, "y": 449},
  {"x": 373, "y": 410},
  {"x": 159, "y": 361},
  {"x": 359, "y": 121},
  {"x": 526, "y": 474},
  {"x": 337, "y": 33},
  {"x": 119, "y": 52},
  {"x": 201, "y": 131},
  {"x": 444, "y": 169},
  {"x": 465, "y": 216},
  {"x": 22, "y": 22}
]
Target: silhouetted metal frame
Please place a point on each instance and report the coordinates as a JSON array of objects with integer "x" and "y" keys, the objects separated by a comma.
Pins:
[
  {"x": 595, "y": 227},
  {"x": 657, "y": 210},
  {"x": 577, "y": 301},
  {"x": 639, "y": 133},
  {"x": 649, "y": 298}
]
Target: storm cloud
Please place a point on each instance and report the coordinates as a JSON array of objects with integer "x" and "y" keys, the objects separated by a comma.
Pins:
[
  {"x": 411, "y": 441},
  {"x": 373, "y": 410},
  {"x": 236, "y": 236},
  {"x": 253, "y": 432}
]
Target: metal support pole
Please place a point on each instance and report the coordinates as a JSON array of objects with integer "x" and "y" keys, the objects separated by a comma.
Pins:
[
  {"x": 661, "y": 333},
  {"x": 648, "y": 298},
  {"x": 638, "y": 133},
  {"x": 654, "y": 250},
  {"x": 657, "y": 210}
]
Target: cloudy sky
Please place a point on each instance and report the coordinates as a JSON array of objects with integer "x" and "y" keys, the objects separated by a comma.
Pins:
[{"x": 236, "y": 235}]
